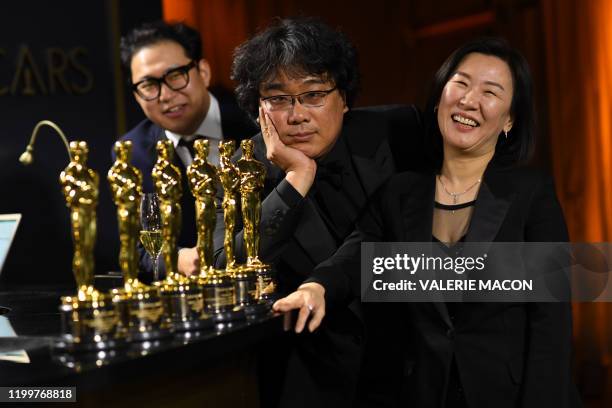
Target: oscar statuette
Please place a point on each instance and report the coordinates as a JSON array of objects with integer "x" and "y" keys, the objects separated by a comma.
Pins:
[
  {"x": 140, "y": 306},
  {"x": 90, "y": 319},
  {"x": 182, "y": 298},
  {"x": 217, "y": 285},
  {"x": 230, "y": 181},
  {"x": 252, "y": 176}
]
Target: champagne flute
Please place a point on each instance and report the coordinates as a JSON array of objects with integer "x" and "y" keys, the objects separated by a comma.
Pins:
[{"x": 150, "y": 233}]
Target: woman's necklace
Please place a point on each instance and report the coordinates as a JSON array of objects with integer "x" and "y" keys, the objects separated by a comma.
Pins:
[{"x": 453, "y": 194}]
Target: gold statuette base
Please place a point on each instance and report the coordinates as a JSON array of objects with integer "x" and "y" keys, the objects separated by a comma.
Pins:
[
  {"x": 245, "y": 282},
  {"x": 220, "y": 296},
  {"x": 184, "y": 305},
  {"x": 142, "y": 313},
  {"x": 247, "y": 291},
  {"x": 92, "y": 323}
]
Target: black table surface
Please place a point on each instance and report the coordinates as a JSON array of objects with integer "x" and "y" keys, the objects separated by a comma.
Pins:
[{"x": 34, "y": 316}]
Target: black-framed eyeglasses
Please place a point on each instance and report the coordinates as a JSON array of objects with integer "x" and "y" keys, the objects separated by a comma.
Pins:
[
  {"x": 176, "y": 79},
  {"x": 309, "y": 99}
]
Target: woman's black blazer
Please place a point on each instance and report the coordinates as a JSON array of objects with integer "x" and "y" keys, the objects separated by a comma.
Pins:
[{"x": 507, "y": 354}]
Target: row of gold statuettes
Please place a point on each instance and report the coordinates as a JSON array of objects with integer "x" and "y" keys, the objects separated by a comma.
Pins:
[{"x": 137, "y": 312}]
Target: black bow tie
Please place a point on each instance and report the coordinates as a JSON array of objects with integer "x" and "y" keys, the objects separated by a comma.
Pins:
[
  {"x": 330, "y": 173},
  {"x": 189, "y": 144}
]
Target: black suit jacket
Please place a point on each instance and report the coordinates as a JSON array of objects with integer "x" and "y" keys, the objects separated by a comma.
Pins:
[
  {"x": 507, "y": 354},
  {"x": 235, "y": 126},
  {"x": 323, "y": 367}
]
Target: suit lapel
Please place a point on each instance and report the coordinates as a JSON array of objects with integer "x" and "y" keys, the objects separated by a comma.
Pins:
[
  {"x": 491, "y": 207},
  {"x": 313, "y": 235},
  {"x": 417, "y": 214},
  {"x": 373, "y": 171},
  {"x": 492, "y": 204},
  {"x": 371, "y": 157},
  {"x": 155, "y": 135},
  {"x": 417, "y": 210}
]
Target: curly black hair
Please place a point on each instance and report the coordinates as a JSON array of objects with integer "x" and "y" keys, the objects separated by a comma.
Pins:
[
  {"x": 298, "y": 47},
  {"x": 155, "y": 32}
]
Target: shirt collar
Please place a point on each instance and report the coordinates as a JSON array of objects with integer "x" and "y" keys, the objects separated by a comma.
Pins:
[{"x": 210, "y": 126}]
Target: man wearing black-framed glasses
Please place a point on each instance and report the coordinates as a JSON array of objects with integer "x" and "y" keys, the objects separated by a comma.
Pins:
[
  {"x": 149, "y": 88},
  {"x": 169, "y": 79}
]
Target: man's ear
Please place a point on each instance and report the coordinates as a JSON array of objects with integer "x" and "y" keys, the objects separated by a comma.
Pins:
[
  {"x": 204, "y": 71},
  {"x": 343, "y": 95}
]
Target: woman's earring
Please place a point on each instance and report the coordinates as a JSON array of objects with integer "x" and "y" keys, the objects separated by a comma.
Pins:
[{"x": 506, "y": 133}]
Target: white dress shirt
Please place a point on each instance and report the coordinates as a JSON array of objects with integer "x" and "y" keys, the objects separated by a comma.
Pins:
[{"x": 210, "y": 128}]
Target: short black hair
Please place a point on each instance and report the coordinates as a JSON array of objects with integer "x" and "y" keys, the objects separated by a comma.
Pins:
[
  {"x": 518, "y": 147},
  {"x": 151, "y": 33},
  {"x": 297, "y": 46}
]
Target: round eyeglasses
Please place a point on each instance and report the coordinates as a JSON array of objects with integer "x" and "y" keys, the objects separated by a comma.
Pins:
[{"x": 175, "y": 79}]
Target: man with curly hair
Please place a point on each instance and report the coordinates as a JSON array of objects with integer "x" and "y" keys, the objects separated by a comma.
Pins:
[{"x": 324, "y": 160}]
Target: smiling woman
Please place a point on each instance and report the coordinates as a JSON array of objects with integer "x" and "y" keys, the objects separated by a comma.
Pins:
[
  {"x": 486, "y": 78},
  {"x": 480, "y": 121},
  {"x": 475, "y": 106}
]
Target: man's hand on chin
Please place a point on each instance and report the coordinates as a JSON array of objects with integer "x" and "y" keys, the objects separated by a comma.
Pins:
[{"x": 300, "y": 169}]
